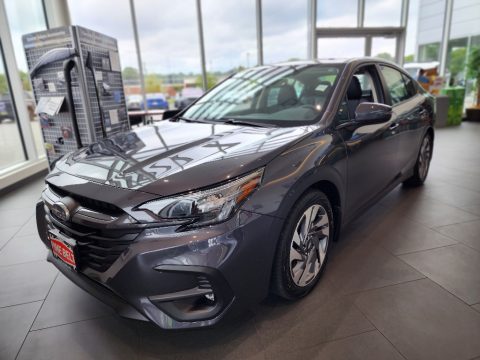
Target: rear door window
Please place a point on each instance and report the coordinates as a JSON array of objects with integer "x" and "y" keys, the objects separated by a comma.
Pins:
[{"x": 396, "y": 86}]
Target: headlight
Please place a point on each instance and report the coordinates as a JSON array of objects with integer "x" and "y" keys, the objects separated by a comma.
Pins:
[{"x": 209, "y": 206}]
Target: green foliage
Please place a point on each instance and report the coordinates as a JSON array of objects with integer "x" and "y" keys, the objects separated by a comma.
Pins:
[
  {"x": 385, "y": 55},
  {"x": 473, "y": 69},
  {"x": 429, "y": 52},
  {"x": 130, "y": 73},
  {"x": 457, "y": 61},
  {"x": 3, "y": 84},
  {"x": 409, "y": 58},
  {"x": 211, "y": 81},
  {"x": 25, "y": 81},
  {"x": 473, "y": 64},
  {"x": 153, "y": 83}
]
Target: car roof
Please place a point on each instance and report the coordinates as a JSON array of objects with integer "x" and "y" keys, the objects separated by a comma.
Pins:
[{"x": 332, "y": 61}]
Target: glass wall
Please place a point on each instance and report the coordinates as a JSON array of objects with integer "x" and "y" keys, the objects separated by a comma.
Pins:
[
  {"x": 340, "y": 47},
  {"x": 336, "y": 13},
  {"x": 20, "y": 25},
  {"x": 229, "y": 29},
  {"x": 382, "y": 12},
  {"x": 412, "y": 31},
  {"x": 169, "y": 44},
  {"x": 384, "y": 48},
  {"x": 284, "y": 30},
  {"x": 112, "y": 18},
  {"x": 11, "y": 150},
  {"x": 429, "y": 52}
]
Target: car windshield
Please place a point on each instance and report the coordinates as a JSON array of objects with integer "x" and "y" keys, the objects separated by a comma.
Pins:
[{"x": 284, "y": 95}]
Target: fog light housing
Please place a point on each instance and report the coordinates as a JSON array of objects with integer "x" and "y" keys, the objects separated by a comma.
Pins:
[{"x": 202, "y": 302}]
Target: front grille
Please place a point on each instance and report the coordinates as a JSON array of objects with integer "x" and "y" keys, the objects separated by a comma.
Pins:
[
  {"x": 95, "y": 248},
  {"x": 93, "y": 204}
]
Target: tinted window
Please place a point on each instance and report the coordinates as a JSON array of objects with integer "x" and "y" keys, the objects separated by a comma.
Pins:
[
  {"x": 410, "y": 85},
  {"x": 281, "y": 95},
  {"x": 395, "y": 84}
]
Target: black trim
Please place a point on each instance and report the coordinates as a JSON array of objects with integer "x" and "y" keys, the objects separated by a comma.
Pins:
[{"x": 210, "y": 281}]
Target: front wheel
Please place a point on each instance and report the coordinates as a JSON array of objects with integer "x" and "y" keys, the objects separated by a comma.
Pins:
[
  {"x": 303, "y": 247},
  {"x": 420, "y": 171}
]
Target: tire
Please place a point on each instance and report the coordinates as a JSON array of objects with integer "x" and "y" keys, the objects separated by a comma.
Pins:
[
  {"x": 420, "y": 170},
  {"x": 294, "y": 255}
]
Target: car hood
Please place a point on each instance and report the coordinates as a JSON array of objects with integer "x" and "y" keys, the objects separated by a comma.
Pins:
[{"x": 174, "y": 157}]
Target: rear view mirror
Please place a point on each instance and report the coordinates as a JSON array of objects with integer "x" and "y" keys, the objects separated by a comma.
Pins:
[{"x": 372, "y": 113}]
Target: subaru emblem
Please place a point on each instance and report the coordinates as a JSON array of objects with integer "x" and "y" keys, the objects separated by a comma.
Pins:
[{"x": 60, "y": 211}]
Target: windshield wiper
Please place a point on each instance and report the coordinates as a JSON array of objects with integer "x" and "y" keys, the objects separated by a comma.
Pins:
[
  {"x": 240, "y": 122},
  {"x": 187, "y": 120}
]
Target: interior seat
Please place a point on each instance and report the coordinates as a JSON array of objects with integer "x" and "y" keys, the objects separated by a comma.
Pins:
[
  {"x": 354, "y": 96},
  {"x": 287, "y": 96}
]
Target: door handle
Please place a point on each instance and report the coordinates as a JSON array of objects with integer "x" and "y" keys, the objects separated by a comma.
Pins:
[{"x": 394, "y": 126}]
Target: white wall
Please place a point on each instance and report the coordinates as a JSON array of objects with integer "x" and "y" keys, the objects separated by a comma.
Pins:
[{"x": 465, "y": 20}]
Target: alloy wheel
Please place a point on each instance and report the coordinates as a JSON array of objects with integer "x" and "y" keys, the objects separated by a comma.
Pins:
[
  {"x": 309, "y": 245},
  {"x": 424, "y": 157}
]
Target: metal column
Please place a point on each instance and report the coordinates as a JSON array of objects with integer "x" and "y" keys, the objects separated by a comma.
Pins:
[
  {"x": 202, "y": 45},
  {"x": 447, "y": 24},
  {"x": 56, "y": 13},
  {"x": 361, "y": 13},
  {"x": 401, "y": 40},
  {"x": 258, "y": 15},
  {"x": 312, "y": 29},
  {"x": 368, "y": 46},
  {"x": 139, "y": 53}
]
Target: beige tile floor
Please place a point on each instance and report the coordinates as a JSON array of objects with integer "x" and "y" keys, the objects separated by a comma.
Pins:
[{"x": 403, "y": 283}]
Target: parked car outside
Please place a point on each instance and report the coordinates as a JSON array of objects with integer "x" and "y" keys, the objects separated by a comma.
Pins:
[
  {"x": 187, "y": 97},
  {"x": 155, "y": 101}
]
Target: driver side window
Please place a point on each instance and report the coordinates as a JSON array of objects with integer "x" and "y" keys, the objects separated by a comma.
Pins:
[{"x": 362, "y": 88}]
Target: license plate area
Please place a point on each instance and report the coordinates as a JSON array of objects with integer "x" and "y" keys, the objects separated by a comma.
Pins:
[{"x": 63, "y": 248}]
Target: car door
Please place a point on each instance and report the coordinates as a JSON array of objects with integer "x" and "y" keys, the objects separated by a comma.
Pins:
[
  {"x": 409, "y": 107},
  {"x": 372, "y": 149}
]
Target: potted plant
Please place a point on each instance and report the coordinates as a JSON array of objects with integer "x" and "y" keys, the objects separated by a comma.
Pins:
[{"x": 473, "y": 71}]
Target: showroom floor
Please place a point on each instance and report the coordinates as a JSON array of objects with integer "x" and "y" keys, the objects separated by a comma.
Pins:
[{"x": 403, "y": 283}]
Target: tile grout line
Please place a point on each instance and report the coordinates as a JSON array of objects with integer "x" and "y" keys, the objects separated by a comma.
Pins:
[
  {"x": 334, "y": 339},
  {"x": 436, "y": 283},
  {"x": 72, "y": 322},
  {"x": 455, "y": 207},
  {"x": 379, "y": 331},
  {"x": 28, "y": 262},
  {"x": 20, "y": 228},
  {"x": 23, "y": 263},
  {"x": 431, "y": 249},
  {"x": 359, "y": 292},
  {"x": 24, "y": 303},
  {"x": 35, "y": 318},
  {"x": 459, "y": 242},
  {"x": 457, "y": 223}
]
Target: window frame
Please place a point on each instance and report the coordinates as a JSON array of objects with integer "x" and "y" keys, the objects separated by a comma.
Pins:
[
  {"x": 13, "y": 100},
  {"x": 377, "y": 82},
  {"x": 387, "y": 90}
]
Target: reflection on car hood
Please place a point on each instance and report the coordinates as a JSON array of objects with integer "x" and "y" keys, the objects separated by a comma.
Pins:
[{"x": 174, "y": 157}]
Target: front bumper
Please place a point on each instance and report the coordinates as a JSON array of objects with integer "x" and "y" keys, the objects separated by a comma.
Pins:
[{"x": 181, "y": 280}]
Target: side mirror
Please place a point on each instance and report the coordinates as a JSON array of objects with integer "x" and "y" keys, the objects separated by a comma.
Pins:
[
  {"x": 372, "y": 113},
  {"x": 169, "y": 114}
]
